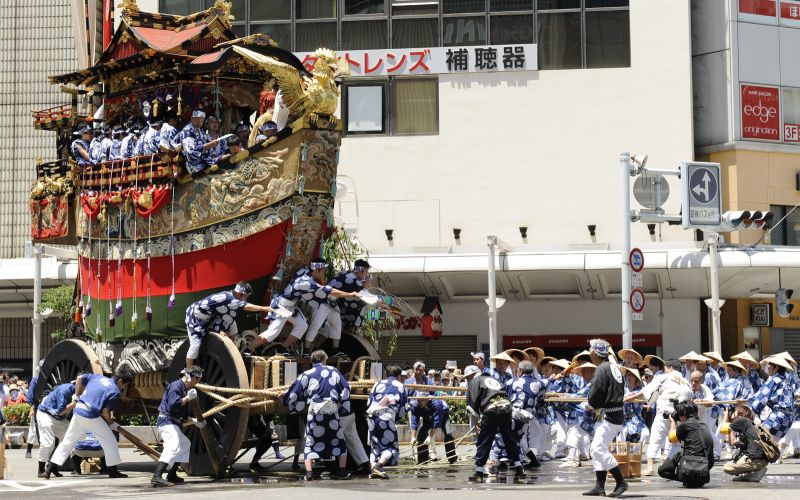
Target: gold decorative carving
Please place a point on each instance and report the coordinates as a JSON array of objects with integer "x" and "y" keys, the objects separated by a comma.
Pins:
[
  {"x": 128, "y": 7},
  {"x": 223, "y": 10}
]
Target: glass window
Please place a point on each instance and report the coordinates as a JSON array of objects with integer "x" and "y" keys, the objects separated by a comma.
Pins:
[
  {"x": 464, "y": 31},
  {"x": 463, "y": 6},
  {"x": 506, "y": 5},
  {"x": 791, "y": 115},
  {"x": 239, "y": 30},
  {"x": 415, "y": 106},
  {"x": 606, "y": 3},
  {"x": 239, "y": 10},
  {"x": 355, "y": 7},
  {"x": 364, "y": 35},
  {"x": 281, "y": 33},
  {"x": 558, "y": 4},
  {"x": 414, "y": 7},
  {"x": 267, "y": 10},
  {"x": 315, "y": 9},
  {"x": 311, "y": 36},
  {"x": 608, "y": 39},
  {"x": 559, "y": 40},
  {"x": 180, "y": 7},
  {"x": 365, "y": 108},
  {"x": 508, "y": 30},
  {"x": 788, "y": 231},
  {"x": 411, "y": 33}
]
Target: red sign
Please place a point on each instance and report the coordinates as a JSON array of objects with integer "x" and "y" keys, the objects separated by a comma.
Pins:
[
  {"x": 758, "y": 7},
  {"x": 637, "y": 300},
  {"x": 761, "y": 113},
  {"x": 791, "y": 132},
  {"x": 575, "y": 341},
  {"x": 790, "y": 10},
  {"x": 108, "y": 22},
  {"x": 636, "y": 260}
]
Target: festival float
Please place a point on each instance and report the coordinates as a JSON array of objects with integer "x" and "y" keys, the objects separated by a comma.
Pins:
[{"x": 152, "y": 239}]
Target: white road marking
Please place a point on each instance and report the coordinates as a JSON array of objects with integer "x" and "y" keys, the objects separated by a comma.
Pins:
[{"x": 8, "y": 485}]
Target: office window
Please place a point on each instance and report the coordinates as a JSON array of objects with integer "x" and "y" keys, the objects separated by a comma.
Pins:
[
  {"x": 608, "y": 39},
  {"x": 280, "y": 32},
  {"x": 415, "y": 106},
  {"x": 509, "y": 5},
  {"x": 464, "y": 31},
  {"x": 180, "y": 7},
  {"x": 356, "y": 7},
  {"x": 363, "y": 35},
  {"x": 311, "y": 36},
  {"x": 791, "y": 115},
  {"x": 508, "y": 30},
  {"x": 560, "y": 40},
  {"x": 239, "y": 10},
  {"x": 590, "y": 4},
  {"x": 366, "y": 108},
  {"x": 558, "y": 4},
  {"x": 415, "y": 7},
  {"x": 411, "y": 33},
  {"x": 463, "y": 6},
  {"x": 315, "y": 9},
  {"x": 270, "y": 10},
  {"x": 788, "y": 231},
  {"x": 240, "y": 30}
]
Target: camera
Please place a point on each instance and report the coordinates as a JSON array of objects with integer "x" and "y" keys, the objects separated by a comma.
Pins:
[{"x": 673, "y": 414}]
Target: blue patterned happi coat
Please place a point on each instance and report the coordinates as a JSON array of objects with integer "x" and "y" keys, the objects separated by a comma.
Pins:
[
  {"x": 325, "y": 393},
  {"x": 381, "y": 419}
]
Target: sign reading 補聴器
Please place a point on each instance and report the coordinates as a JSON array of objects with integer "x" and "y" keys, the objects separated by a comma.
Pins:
[{"x": 435, "y": 60}]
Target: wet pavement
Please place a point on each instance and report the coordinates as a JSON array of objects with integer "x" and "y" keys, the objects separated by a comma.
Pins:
[{"x": 781, "y": 481}]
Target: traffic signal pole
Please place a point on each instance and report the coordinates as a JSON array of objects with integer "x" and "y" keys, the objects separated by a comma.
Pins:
[
  {"x": 625, "y": 250},
  {"x": 716, "y": 340}
]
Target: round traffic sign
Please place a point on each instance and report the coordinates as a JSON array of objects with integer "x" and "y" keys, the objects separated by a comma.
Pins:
[
  {"x": 703, "y": 185},
  {"x": 636, "y": 260},
  {"x": 637, "y": 300},
  {"x": 651, "y": 191}
]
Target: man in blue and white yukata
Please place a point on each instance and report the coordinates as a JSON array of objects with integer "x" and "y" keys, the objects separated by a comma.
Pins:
[
  {"x": 581, "y": 420},
  {"x": 427, "y": 415},
  {"x": 95, "y": 396},
  {"x": 148, "y": 144},
  {"x": 195, "y": 143},
  {"x": 325, "y": 393},
  {"x": 526, "y": 392},
  {"x": 388, "y": 400},
  {"x": 115, "y": 149},
  {"x": 217, "y": 313},
  {"x": 305, "y": 287},
  {"x": 774, "y": 401},
  {"x": 80, "y": 149},
  {"x": 96, "y": 150},
  {"x": 168, "y": 133},
  {"x": 127, "y": 148},
  {"x": 52, "y": 417},
  {"x": 172, "y": 413}
]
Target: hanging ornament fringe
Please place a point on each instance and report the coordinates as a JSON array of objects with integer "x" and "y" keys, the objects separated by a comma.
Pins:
[
  {"x": 134, "y": 316},
  {"x": 336, "y": 155},
  {"x": 295, "y": 215},
  {"x": 333, "y": 189},
  {"x": 171, "y": 302},
  {"x": 329, "y": 220},
  {"x": 118, "y": 305},
  {"x": 279, "y": 275},
  {"x": 134, "y": 321},
  {"x": 304, "y": 152},
  {"x": 321, "y": 247},
  {"x": 109, "y": 254},
  {"x": 289, "y": 246},
  {"x": 148, "y": 306},
  {"x": 301, "y": 188},
  {"x": 79, "y": 310}
]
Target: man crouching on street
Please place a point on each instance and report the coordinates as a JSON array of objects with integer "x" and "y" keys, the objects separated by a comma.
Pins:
[
  {"x": 172, "y": 412},
  {"x": 606, "y": 395}
]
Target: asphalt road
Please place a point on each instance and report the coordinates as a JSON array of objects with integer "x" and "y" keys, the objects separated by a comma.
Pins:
[{"x": 782, "y": 481}]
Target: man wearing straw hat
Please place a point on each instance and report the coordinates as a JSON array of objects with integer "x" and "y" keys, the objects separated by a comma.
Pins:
[
  {"x": 566, "y": 383},
  {"x": 690, "y": 360},
  {"x": 635, "y": 428},
  {"x": 716, "y": 364},
  {"x": 735, "y": 387},
  {"x": 630, "y": 358},
  {"x": 581, "y": 422},
  {"x": 556, "y": 420},
  {"x": 606, "y": 394},
  {"x": 754, "y": 373},
  {"x": 526, "y": 391},
  {"x": 775, "y": 398},
  {"x": 503, "y": 373}
]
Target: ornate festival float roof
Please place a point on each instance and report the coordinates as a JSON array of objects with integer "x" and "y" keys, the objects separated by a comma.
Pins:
[{"x": 151, "y": 238}]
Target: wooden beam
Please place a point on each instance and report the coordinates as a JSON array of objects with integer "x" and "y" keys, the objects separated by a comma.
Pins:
[{"x": 215, "y": 454}]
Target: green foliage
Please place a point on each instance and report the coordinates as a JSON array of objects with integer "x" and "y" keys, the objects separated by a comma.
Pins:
[
  {"x": 458, "y": 412},
  {"x": 17, "y": 414},
  {"x": 60, "y": 300},
  {"x": 135, "y": 419},
  {"x": 341, "y": 251}
]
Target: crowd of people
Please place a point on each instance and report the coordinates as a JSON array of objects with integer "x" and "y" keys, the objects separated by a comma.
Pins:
[{"x": 199, "y": 141}]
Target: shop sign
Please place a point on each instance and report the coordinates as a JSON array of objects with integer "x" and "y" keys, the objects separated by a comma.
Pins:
[
  {"x": 790, "y": 11},
  {"x": 791, "y": 132},
  {"x": 435, "y": 60},
  {"x": 758, "y": 7},
  {"x": 575, "y": 341},
  {"x": 761, "y": 113}
]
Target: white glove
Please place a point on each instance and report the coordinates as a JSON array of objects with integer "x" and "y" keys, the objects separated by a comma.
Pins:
[
  {"x": 114, "y": 426},
  {"x": 191, "y": 394},
  {"x": 413, "y": 441},
  {"x": 427, "y": 441},
  {"x": 198, "y": 424}
]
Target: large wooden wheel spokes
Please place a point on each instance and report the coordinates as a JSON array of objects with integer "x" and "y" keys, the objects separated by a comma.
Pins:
[
  {"x": 223, "y": 367},
  {"x": 65, "y": 361}
]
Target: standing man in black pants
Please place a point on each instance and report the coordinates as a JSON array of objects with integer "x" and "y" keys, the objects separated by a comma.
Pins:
[
  {"x": 488, "y": 401},
  {"x": 605, "y": 395}
]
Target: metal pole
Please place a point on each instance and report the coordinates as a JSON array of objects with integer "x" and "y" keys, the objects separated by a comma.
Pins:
[
  {"x": 492, "y": 242},
  {"x": 716, "y": 341},
  {"x": 37, "y": 300},
  {"x": 625, "y": 251}
]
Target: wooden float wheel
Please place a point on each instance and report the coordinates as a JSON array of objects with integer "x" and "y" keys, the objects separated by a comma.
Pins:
[
  {"x": 223, "y": 367},
  {"x": 65, "y": 361},
  {"x": 356, "y": 346}
]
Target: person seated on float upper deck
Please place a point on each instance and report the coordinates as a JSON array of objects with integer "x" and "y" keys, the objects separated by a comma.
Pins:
[
  {"x": 221, "y": 145},
  {"x": 168, "y": 133},
  {"x": 195, "y": 144},
  {"x": 115, "y": 149},
  {"x": 242, "y": 131},
  {"x": 149, "y": 143},
  {"x": 268, "y": 129},
  {"x": 128, "y": 146},
  {"x": 234, "y": 147},
  {"x": 80, "y": 146}
]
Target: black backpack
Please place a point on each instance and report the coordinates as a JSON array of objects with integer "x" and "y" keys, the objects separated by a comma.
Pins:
[{"x": 768, "y": 444}]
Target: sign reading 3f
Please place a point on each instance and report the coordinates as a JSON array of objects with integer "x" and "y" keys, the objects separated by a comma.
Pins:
[{"x": 702, "y": 203}]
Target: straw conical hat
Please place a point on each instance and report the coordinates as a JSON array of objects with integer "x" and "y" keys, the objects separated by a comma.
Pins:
[
  {"x": 634, "y": 371},
  {"x": 561, "y": 363},
  {"x": 502, "y": 357},
  {"x": 586, "y": 365},
  {"x": 546, "y": 359},
  {"x": 745, "y": 356},
  {"x": 623, "y": 352},
  {"x": 652, "y": 356},
  {"x": 779, "y": 361},
  {"x": 582, "y": 353},
  {"x": 692, "y": 356},
  {"x": 735, "y": 363},
  {"x": 714, "y": 355},
  {"x": 517, "y": 355},
  {"x": 534, "y": 352},
  {"x": 788, "y": 357}
]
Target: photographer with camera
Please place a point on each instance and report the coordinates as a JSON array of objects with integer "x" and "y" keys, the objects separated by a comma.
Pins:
[
  {"x": 665, "y": 390},
  {"x": 692, "y": 464}
]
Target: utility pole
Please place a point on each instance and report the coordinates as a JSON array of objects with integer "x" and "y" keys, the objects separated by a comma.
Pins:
[
  {"x": 492, "y": 301},
  {"x": 716, "y": 340},
  {"x": 625, "y": 250}
]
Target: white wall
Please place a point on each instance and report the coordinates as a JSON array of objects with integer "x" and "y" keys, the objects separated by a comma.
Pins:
[
  {"x": 679, "y": 327},
  {"x": 537, "y": 149}
]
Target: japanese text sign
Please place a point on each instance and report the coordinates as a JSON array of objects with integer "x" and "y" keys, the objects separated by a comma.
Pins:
[{"x": 435, "y": 60}]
